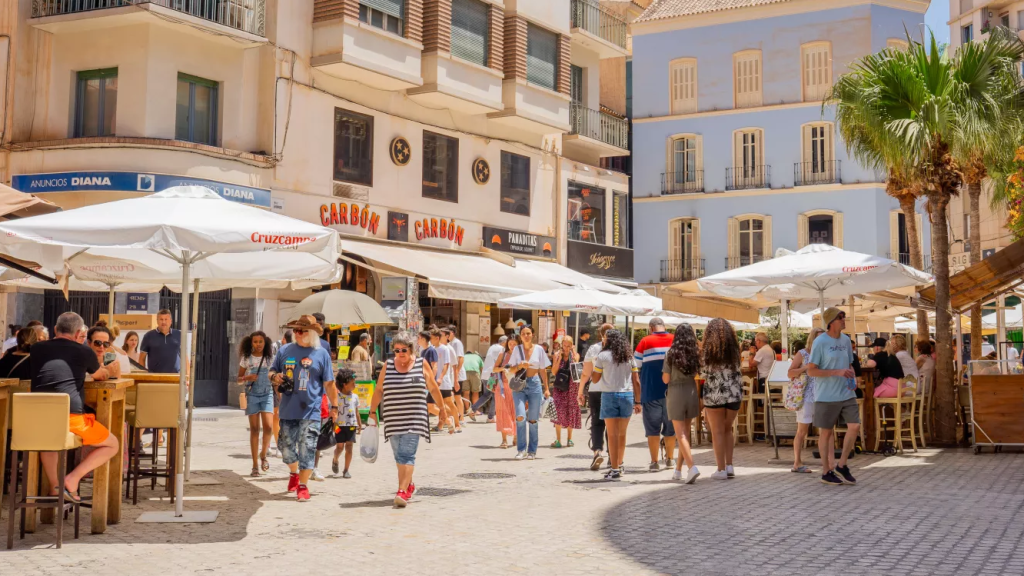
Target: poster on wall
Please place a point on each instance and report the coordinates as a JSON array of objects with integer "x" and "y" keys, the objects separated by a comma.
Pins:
[
  {"x": 546, "y": 329},
  {"x": 485, "y": 332},
  {"x": 392, "y": 288}
]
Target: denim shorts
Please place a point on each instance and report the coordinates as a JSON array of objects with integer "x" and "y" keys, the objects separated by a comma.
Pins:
[
  {"x": 257, "y": 404},
  {"x": 656, "y": 420},
  {"x": 297, "y": 442},
  {"x": 404, "y": 446},
  {"x": 616, "y": 405}
]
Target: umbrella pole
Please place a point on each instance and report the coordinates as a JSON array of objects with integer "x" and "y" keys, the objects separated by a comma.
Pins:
[
  {"x": 110, "y": 306},
  {"x": 576, "y": 339},
  {"x": 785, "y": 329},
  {"x": 179, "y": 459},
  {"x": 192, "y": 379},
  {"x": 821, "y": 307}
]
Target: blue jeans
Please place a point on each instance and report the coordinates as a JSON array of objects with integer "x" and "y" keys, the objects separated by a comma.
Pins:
[
  {"x": 404, "y": 446},
  {"x": 297, "y": 442},
  {"x": 534, "y": 395}
]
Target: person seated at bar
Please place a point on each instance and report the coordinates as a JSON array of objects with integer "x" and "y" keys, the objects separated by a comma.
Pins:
[
  {"x": 889, "y": 373},
  {"x": 60, "y": 365},
  {"x": 16, "y": 364}
]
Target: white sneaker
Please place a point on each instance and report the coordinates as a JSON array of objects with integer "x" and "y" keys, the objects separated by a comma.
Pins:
[
  {"x": 317, "y": 475},
  {"x": 531, "y": 456},
  {"x": 692, "y": 474},
  {"x": 520, "y": 455},
  {"x": 677, "y": 474},
  {"x": 720, "y": 475},
  {"x": 729, "y": 472}
]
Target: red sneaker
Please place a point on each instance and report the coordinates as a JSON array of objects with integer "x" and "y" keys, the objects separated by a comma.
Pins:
[
  {"x": 293, "y": 482},
  {"x": 401, "y": 499},
  {"x": 411, "y": 490},
  {"x": 302, "y": 493}
]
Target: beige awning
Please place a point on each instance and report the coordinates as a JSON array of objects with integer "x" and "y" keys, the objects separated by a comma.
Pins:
[
  {"x": 998, "y": 274},
  {"x": 15, "y": 204}
]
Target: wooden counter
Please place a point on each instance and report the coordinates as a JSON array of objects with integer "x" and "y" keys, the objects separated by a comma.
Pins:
[
  {"x": 997, "y": 403},
  {"x": 151, "y": 377}
]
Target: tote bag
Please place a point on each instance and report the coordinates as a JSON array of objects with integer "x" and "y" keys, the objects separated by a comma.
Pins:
[{"x": 368, "y": 443}]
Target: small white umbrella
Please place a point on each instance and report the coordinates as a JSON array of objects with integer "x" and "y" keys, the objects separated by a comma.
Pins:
[
  {"x": 586, "y": 300},
  {"x": 187, "y": 224}
]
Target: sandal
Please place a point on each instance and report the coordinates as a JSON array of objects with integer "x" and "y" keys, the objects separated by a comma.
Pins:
[
  {"x": 255, "y": 472},
  {"x": 801, "y": 470},
  {"x": 73, "y": 496},
  {"x": 264, "y": 463},
  {"x": 570, "y": 444},
  {"x": 503, "y": 445},
  {"x": 556, "y": 444}
]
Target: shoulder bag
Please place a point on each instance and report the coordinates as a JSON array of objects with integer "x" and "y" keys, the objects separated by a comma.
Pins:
[
  {"x": 15, "y": 367},
  {"x": 518, "y": 382},
  {"x": 563, "y": 378}
]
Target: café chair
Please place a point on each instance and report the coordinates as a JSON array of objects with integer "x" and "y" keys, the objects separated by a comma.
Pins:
[
  {"x": 903, "y": 422},
  {"x": 742, "y": 424},
  {"x": 156, "y": 407},
  {"x": 924, "y": 409},
  {"x": 40, "y": 424}
]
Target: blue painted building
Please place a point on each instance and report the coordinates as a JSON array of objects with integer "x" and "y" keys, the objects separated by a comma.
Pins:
[{"x": 733, "y": 154}]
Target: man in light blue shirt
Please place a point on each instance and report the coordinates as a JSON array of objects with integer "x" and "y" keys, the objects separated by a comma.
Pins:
[{"x": 831, "y": 367}]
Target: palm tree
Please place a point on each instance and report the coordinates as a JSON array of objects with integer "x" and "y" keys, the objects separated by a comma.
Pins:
[
  {"x": 869, "y": 140},
  {"x": 923, "y": 103},
  {"x": 983, "y": 147}
]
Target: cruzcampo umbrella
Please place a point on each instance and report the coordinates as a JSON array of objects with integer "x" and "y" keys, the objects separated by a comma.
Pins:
[{"x": 343, "y": 307}]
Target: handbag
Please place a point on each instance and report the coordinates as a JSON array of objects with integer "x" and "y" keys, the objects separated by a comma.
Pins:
[
  {"x": 518, "y": 382},
  {"x": 548, "y": 409},
  {"x": 326, "y": 439},
  {"x": 795, "y": 393},
  {"x": 243, "y": 403}
]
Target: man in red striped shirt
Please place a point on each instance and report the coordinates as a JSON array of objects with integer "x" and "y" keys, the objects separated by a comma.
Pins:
[{"x": 650, "y": 354}]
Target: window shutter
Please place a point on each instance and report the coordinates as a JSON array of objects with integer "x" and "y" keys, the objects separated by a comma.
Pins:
[
  {"x": 734, "y": 232},
  {"x": 469, "y": 31},
  {"x": 837, "y": 229},
  {"x": 894, "y": 235},
  {"x": 759, "y": 158},
  {"x": 670, "y": 155},
  {"x": 747, "y": 79},
  {"x": 803, "y": 230},
  {"x": 696, "y": 244},
  {"x": 683, "y": 87},
  {"x": 541, "y": 56},
  {"x": 737, "y": 153},
  {"x": 817, "y": 71},
  {"x": 675, "y": 240},
  {"x": 829, "y": 143},
  {"x": 699, "y": 151},
  {"x": 394, "y": 8},
  {"x": 767, "y": 237}
]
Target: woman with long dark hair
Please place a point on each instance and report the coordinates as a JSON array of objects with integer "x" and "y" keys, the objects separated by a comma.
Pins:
[
  {"x": 504, "y": 405},
  {"x": 682, "y": 362},
  {"x": 723, "y": 390},
  {"x": 531, "y": 357},
  {"x": 615, "y": 376},
  {"x": 255, "y": 358}
]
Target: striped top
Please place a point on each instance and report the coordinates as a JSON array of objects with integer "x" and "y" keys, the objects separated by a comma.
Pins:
[
  {"x": 650, "y": 354},
  {"x": 404, "y": 401}
]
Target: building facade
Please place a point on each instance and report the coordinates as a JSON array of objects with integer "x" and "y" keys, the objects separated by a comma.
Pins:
[
  {"x": 467, "y": 133},
  {"x": 734, "y": 155}
]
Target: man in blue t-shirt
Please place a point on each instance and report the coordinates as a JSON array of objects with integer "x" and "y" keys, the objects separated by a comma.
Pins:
[
  {"x": 307, "y": 367},
  {"x": 831, "y": 366}
]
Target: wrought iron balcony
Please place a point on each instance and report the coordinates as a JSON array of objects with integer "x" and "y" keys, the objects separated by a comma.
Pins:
[
  {"x": 820, "y": 172},
  {"x": 748, "y": 177},
  {"x": 685, "y": 182},
  {"x": 682, "y": 270},
  {"x": 904, "y": 258},
  {"x": 598, "y": 125},
  {"x": 739, "y": 261},
  {"x": 589, "y": 16},
  {"x": 244, "y": 15}
]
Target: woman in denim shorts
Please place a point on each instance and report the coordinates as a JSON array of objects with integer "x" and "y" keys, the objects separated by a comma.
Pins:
[
  {"x": 615, "y": 376},
  {"x": 254, "y": 373}
]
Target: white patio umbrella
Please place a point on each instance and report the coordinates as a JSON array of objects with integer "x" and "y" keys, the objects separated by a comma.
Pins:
[
  {"x": 581, "y": 299},
  {"x": 185, "y": 224},
  {"x": 676, "y": 318}
]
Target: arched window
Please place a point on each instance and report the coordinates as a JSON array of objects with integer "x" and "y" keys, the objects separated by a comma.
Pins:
[
  {"x": 684, "y": 262},
  {"x": 899, "y": 240},
  {"x": 820, "y": 227},
  {"x": 684, "y": 164},
  {"x": 748, "y": 169},
  {"x": 750, "y": 240},
  {"x": 818, "y": 164}
]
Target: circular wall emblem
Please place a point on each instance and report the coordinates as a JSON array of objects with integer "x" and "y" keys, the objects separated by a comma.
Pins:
[
  {"x": 401, "y": 152},
  {"x": 481, "y": 171}
]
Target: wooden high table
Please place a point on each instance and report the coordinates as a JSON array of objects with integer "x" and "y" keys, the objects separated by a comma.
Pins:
[{"x": 107, "y": 398}]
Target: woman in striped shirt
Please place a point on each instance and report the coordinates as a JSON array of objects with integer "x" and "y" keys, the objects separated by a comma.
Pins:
[{"x": 401, "y": 394}]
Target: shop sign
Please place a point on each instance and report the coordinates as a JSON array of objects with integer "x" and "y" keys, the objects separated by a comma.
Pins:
[
  {"x": 127, "y": 322},
  {"x": 959, "y": 262},
  {"x": 138, "y": 302},
  {"x": 519, "y": 242},
  {"x": 134, "y": 182},
  {"x": 398, "y": 226},
  {"x": 352, "y": 215},
  {"x": 600, "y": 260},
  {"x": 440, "y": 228}
]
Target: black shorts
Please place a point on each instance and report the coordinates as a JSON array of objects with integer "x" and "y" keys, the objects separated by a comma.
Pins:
[
  {"x": 345, "y": 434},
  {"x": 728, "y": 406},
  {"x": 444, "y": 394}
]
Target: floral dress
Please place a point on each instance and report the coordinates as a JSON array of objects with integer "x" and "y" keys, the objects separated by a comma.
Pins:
[
  {"x": 567, "y": 403},
  {"x": 722, "y": 385}
]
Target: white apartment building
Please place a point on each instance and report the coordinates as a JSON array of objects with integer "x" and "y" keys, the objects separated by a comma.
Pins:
[{"x": 438, "y": 136}]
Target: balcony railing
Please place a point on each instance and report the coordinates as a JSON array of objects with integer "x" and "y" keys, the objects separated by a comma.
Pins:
[
  {"x": 821, "y": 172},
  {"x": 739, "y": 261},
  {"x": 598, "y": 125},
  {"x": 904, "y": 258},
  {"x": 591, "y": 17},
  {"x": 682, "y": 270},
  {"x": 748, "y": 177},
  {"x": 244, "y": 15},
  {"x": 688, "y": 182}
]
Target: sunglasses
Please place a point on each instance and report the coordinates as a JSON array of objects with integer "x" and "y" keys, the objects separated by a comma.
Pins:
[
  {"x": 401, "y": 350},
  {"x": 101, "y": 343},
  {"x": 299, "y": 331}
]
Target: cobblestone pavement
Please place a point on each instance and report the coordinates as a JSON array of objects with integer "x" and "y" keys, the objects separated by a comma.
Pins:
[{"x": 934, "y": 512}]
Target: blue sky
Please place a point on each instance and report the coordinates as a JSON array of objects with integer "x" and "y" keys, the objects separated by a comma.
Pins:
[{"x": 935, "y": 19}]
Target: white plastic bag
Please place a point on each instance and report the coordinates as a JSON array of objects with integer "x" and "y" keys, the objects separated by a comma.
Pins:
[{"x": 368, "y": 443}]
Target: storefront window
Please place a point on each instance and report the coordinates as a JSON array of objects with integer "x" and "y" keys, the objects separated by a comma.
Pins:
[
  {"x": 440, "y": 167},
  {"x": 620, "y": 219},
  {"x": 585, "y": 213},
  {"x": 515, "y": 183}
]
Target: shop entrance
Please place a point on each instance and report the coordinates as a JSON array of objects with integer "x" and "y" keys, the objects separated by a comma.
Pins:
[
  {"x": 212, "y": 353},
  {"x": 91, "y": 306}
]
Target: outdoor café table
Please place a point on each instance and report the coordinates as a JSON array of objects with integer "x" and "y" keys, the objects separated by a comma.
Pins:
[
  {"x": 5, "y": 402},
  {"x": 107, "y": 398}
]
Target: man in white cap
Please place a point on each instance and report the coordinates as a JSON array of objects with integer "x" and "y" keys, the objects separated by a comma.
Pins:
[{"x": 834, "y": 395}]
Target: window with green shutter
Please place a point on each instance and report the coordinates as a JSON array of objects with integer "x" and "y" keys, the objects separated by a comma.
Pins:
[
  {"x": 96, "y": 103},
  {"x": 469, "y": 31},
  {"x": 384, "y": 14},
  {"x": 541, "y": 57},
  {"x": 196, "y": 109}
]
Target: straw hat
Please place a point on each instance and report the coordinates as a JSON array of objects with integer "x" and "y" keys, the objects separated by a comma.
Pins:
[{"x": 306, "y": 322}]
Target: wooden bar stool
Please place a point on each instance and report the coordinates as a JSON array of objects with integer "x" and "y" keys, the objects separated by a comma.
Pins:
[
  {"x": 742, "y": 423},
  {"x": 903, "y": 422},
  {"x": 41, "y": 424},
  {"x": 156, "y": 407}
]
